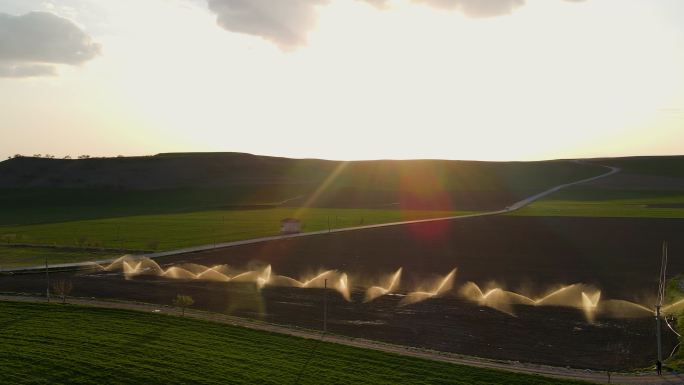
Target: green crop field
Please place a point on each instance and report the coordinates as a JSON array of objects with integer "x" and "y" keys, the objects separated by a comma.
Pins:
[
  {"x": 621, "y": 203},
  {"x": 75, "y": 210},
  {"x": 172, "y": 231},
  {"x": 56, "y": 344},
  {"x": 33, "y": 256}
]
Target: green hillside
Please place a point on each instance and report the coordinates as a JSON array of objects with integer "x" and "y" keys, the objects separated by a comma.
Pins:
[
  {"x": 649, "y": 187},
  {"x": 37, "y": 190}
]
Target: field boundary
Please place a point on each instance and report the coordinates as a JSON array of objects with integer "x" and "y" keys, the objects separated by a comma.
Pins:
[{"x": 508, "y": 366}]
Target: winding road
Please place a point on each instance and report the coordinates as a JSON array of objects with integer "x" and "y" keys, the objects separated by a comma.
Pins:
[
  {"x": 534, "y": 369},
  {"x": 193, "y": 249}
]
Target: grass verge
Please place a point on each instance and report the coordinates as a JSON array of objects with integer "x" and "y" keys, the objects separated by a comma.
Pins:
[{"x": 81, "y": 345}]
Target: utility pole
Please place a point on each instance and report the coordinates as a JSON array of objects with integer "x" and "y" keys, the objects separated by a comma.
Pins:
[
  {"x": 47, "y": 280},
  {"x": 325, "y": 306},
  {"x": 660, "y": 351},
  {"x": 662, "y": 285}
]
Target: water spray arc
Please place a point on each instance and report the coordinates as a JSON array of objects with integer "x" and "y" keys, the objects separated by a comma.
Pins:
[
  {"x": 496, "y": 298},
  {"x": 580, "y": 296},
  {"x": 586, "y": 298},
  {"x": 262, "y": 277},
  {"x": 378, "y": 291},
  {"x": 442, "y": 286}
]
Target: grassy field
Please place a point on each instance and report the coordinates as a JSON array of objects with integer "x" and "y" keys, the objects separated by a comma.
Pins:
[
  {"x": 599, "y": 209},
  {"x": 593, "y": 203},
  {"x": 80, "y": 345},
  {"x": 170, "y": 201},
  {"x": 172, "y": 231},
  {"x": 34, "y": 256},
  {"x": 51, "y": 205},
  {"x": 34, "y": 190}
]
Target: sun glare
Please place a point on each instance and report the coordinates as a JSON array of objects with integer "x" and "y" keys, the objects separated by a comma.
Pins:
[
  {"x": 422, "y": 83},
  {"x": 553, "y": 79}
]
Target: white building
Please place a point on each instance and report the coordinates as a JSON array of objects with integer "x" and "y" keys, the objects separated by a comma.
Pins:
[{"x": 290, "y": 226}]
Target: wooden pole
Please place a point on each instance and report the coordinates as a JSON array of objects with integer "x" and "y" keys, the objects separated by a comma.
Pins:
[
  {"x": 658, "y": 339},
  {"x": 325, "y": 306},
  {"x": 661, "y": 297}
]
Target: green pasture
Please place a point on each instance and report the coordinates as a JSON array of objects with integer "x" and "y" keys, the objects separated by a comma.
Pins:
[
  {"x": 60, "y": 344},
  {"x": 173, "y": 231},
  {"x": 609, "y": 203},
  {"x": 34, "y": 256}
]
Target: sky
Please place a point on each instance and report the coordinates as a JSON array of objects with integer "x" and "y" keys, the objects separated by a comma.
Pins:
[{"x": 343, "y": 79}]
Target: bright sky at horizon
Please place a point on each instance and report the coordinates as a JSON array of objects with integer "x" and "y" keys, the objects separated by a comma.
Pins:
[{"x": 343, "y": 79}]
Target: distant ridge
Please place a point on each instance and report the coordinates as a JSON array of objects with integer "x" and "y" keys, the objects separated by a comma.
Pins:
[
  {"x": 38, "y": 190},
  {"x": 220, "y": 169}
]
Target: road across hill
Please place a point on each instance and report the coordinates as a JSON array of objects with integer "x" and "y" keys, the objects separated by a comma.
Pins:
[
  {"x": 558, "y": 323},
  {"x": 193, "y": 249}
]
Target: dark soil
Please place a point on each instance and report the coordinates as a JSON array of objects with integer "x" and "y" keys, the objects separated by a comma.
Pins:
[{"x": 619, "y": 255}]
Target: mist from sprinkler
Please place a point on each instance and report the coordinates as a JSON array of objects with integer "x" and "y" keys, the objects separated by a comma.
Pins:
[{"x": 586, "y": 298}]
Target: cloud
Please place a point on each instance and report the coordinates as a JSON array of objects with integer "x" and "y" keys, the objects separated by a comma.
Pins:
[
  {"x": 285, "y": 23},
  {"x": 381, "y": 4},
  {"x": 473, "y": 8},
  {"x": 35, "y": 43},
  {"x": 477, "y": 8},
  {"x": 26, "y": 70}
]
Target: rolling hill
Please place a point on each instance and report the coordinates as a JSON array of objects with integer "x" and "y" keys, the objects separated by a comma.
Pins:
[{"x": 38, "y": 190}]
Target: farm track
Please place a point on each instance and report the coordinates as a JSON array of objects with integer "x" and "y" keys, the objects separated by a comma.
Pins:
[
  {"x": 510, "y": 366},
  {"x": 194, "y": 249},
  {"x": 564, "y": 250}
]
